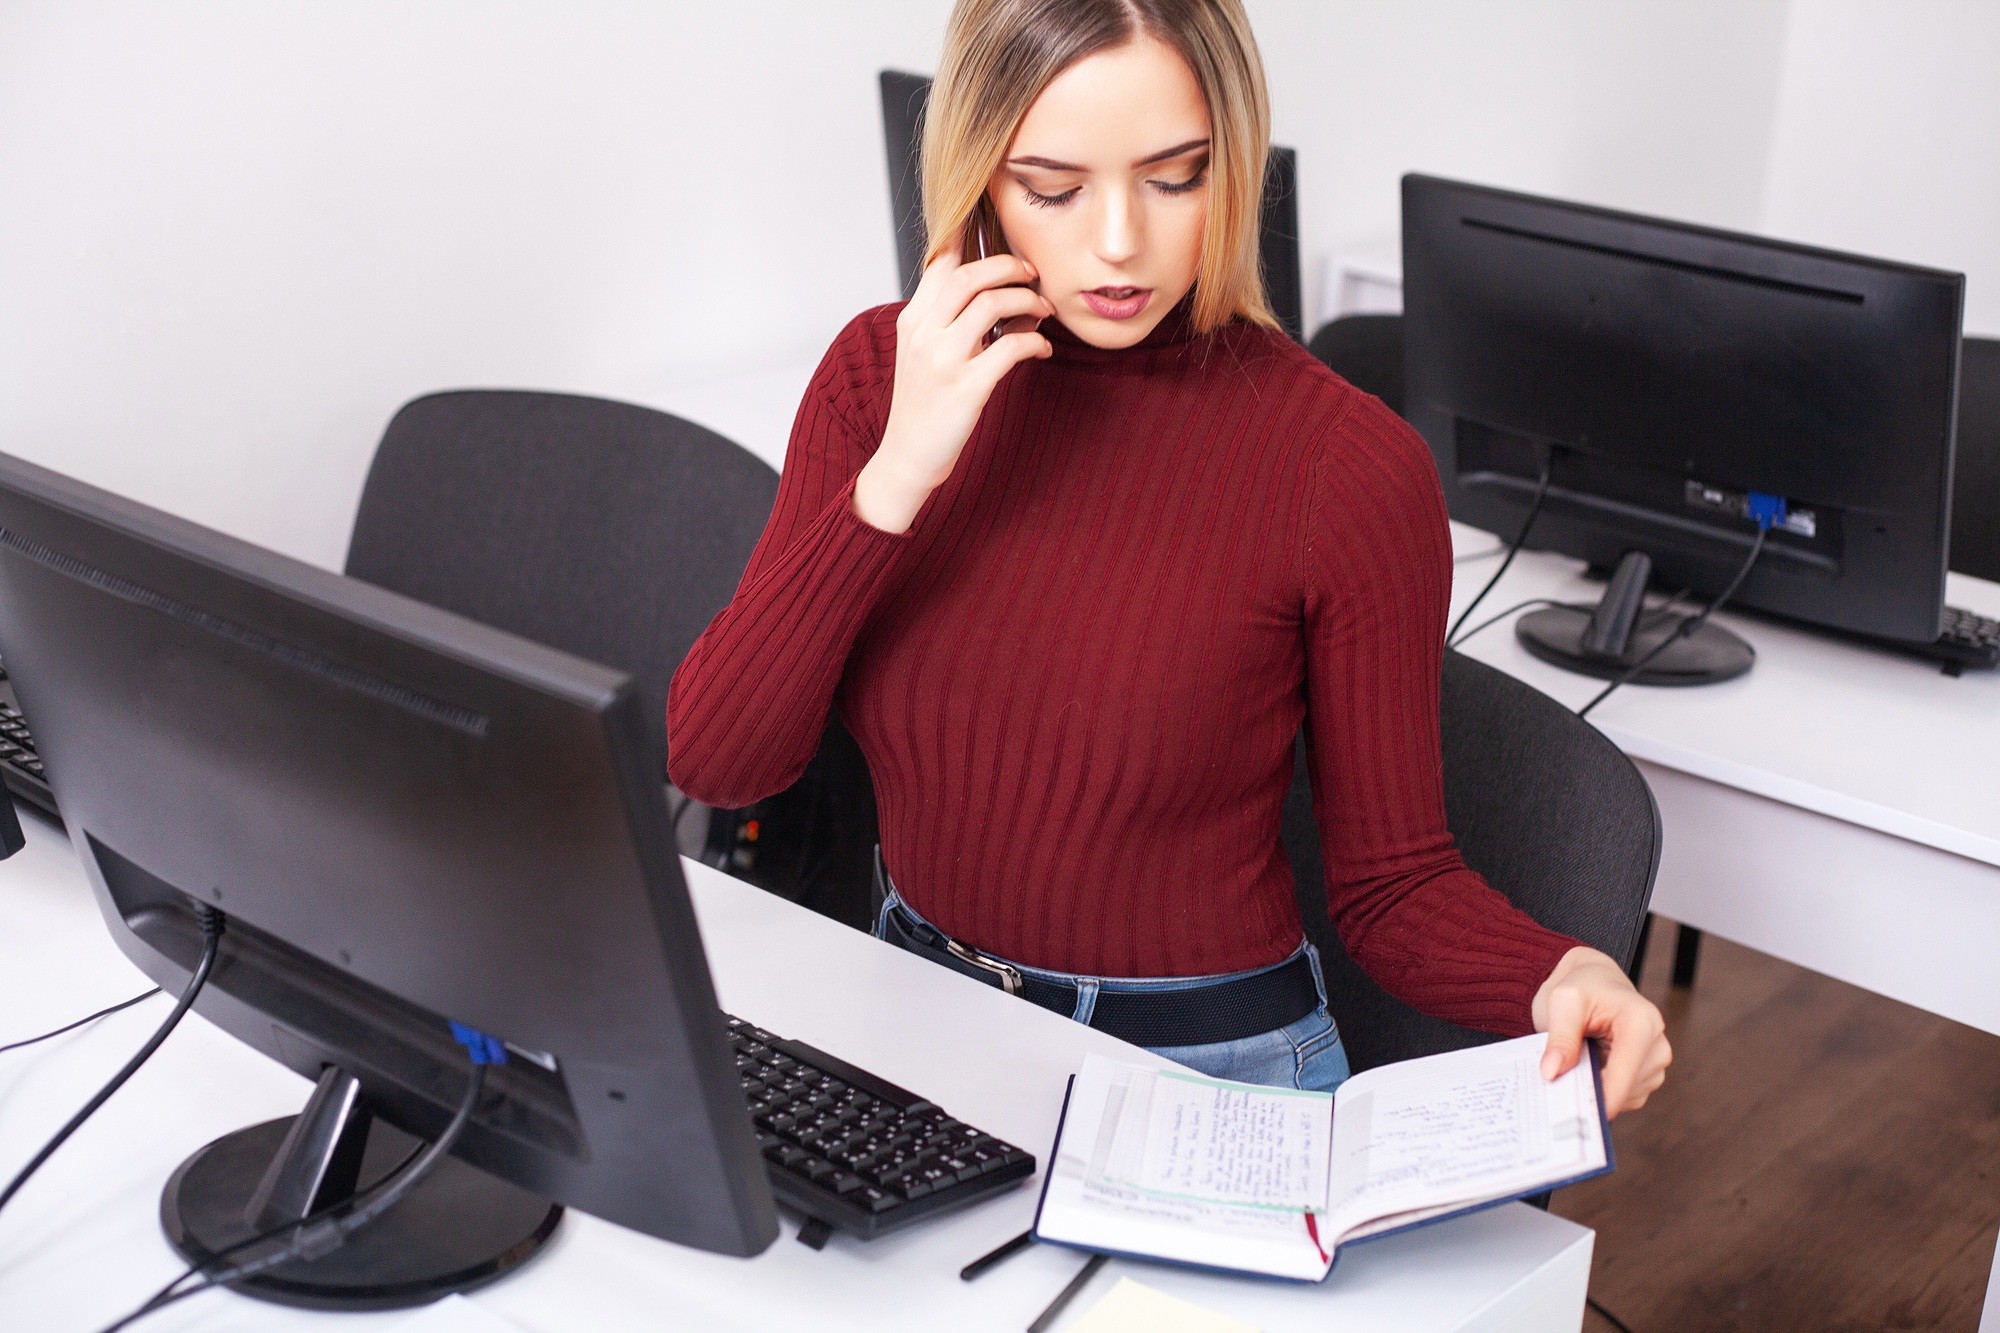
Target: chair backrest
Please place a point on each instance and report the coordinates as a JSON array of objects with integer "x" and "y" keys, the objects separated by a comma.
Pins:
[
  {"x": 614, "y": 532},
  {"x": 1975, "y": 475},
  {"x": 1555, "y": 817},
  {"x": 1367, "y": 352},
  {"x": 605, "y": 529},
  {"x": 904, "y": 97}
]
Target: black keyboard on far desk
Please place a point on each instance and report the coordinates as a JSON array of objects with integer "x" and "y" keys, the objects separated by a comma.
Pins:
[
  {"x": 1966, "y": 640},
  {"x": 855, "y": 1152},
  {"x": 1969, "y": 640},
  {"x": 20, "y": 766}
]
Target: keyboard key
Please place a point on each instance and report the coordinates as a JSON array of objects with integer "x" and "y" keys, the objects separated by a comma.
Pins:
[
  {"x": 986, "y": 1159},
  {"x": 844, "y": 1182},
  {"x": 875, "y": 1199},
  {"x": 812, "y": 1168}
]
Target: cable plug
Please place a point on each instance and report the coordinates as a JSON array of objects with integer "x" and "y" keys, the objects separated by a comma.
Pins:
[
  {"x": 318, "y": 1238},
  {"x": 1765, "y": 510},
  {"x": 484, "y": 1049}
]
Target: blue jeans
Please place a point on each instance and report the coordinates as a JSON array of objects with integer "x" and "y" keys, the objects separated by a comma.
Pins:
[{"x": 1303, "y": 1054}]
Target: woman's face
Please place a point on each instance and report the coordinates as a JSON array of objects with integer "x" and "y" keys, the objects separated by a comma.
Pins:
[{"x": 1105, "y": 190}]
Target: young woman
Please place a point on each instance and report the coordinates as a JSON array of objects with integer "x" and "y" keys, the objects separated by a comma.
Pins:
[{"x": 1076, "y": 539}]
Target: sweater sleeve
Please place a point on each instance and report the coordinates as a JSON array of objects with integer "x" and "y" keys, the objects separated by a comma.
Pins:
[
  {"x": 1376, "y": 556},
  {"x": 747, "y": 706}
]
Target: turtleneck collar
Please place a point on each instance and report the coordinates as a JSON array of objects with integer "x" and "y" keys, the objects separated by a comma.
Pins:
[{"x": 1177, "y": 327}]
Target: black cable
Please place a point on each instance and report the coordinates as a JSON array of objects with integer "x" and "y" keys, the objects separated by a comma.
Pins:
[
  {"x": 71, "y": 1027},
  {"x": 211, "y": 929},
  {"x": 1615, "y": 1321},
  {"x": 161, "y": 1297},
  {"x": 1687, "y": 626},
  {"x": 1513, "y": 549},
  {"x": 1502, "y": 615},
  {"x": 327, "y": 1230}
]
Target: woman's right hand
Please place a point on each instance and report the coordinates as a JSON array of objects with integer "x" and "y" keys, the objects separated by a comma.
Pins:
[{"x": 945, "y": 372}]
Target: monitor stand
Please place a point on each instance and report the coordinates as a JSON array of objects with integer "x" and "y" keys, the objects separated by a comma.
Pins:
[
  {"x": 1608, "y": 639},
  {"x": 459, "y": 1228}
]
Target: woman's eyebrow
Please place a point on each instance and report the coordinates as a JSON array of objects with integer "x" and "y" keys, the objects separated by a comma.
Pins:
[
  {"x": 1175, "y": 151},
  {"x": 1050, "y": 164}
]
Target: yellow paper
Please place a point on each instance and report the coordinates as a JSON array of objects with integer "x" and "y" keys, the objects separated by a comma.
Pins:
[{"x": 1133, "y": 1307}]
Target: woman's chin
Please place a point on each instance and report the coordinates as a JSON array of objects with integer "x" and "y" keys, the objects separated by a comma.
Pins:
[{"x": 1111, "y": 334}]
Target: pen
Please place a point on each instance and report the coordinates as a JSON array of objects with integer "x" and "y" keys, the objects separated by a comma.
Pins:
[
  {"x": 987, "y": 1260},
  {"x": 1068, "y": 1294}
]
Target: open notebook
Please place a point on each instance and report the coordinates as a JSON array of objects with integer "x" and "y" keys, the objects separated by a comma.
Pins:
[{"x": 1162, "y": 1164}]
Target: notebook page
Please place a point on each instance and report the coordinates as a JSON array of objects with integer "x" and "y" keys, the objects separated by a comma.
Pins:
[
  {"x": 1456, "y": 1128},
  {"x": 1189, "y": 1137},
  {"x": 1095, "y": 1197}
]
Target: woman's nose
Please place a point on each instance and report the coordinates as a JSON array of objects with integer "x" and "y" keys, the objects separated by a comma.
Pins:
[{"x": 1117, "y": 240}]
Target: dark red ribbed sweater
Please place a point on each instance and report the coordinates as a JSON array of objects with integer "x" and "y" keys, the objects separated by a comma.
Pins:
[{"x": 1078, "y": 676}]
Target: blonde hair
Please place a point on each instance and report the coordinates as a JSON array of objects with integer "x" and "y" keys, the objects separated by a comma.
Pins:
[{"x": 1000, "y": 54}]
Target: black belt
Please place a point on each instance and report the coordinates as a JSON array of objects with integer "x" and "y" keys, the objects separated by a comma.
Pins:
[{"x": 1196, "y": 1016}]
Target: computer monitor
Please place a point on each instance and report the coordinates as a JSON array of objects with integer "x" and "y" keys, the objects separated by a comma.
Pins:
[
  {"x": 904, "y": 97},
  {"x": 408, "y": 819},
  {"x": 1671, "y": 378}
]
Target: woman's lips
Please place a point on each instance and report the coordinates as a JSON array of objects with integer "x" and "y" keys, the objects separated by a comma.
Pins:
[{"x": 1117, "y": 302}]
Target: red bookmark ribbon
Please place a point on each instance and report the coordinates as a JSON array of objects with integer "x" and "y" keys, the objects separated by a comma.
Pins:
[{"x": 1312, "y": 1229}]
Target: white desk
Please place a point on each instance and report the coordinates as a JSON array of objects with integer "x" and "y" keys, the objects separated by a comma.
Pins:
[
  {"x": 1838, "y": 806},
  {"x": 82, "y": 1243}
]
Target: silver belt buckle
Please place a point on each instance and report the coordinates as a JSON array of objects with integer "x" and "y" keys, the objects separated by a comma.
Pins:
[{"x": 1010, "y": 976}]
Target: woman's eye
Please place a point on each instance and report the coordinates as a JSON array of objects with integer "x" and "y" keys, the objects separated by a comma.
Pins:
[
  {"x": 1182, "y": 187},
  {"x": 1040, "y": 200}
]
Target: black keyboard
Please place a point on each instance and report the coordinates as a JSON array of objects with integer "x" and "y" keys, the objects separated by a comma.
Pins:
[
  {"x": 20, "y": 767},
  {"x": 1968, "y": 640},
  {"x": 855, "y": 1152}
]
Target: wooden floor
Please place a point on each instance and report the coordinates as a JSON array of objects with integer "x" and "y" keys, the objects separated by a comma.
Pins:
[{"x": 1820, "y": 1158}]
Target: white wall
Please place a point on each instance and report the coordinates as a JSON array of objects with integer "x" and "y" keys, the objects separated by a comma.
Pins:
[
  {"x": 235, "y": 235},
  {"x": 1888, "y": 137},
  {"x": 1661, "y": 106}
]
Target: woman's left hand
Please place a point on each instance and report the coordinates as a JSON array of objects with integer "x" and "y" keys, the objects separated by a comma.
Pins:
[{"x": 1589, "y": 995}]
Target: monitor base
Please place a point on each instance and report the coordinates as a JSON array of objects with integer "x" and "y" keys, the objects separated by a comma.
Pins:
[
  {"x": 1710, "y": 655},
  {"x": 459, "y": 1228}
]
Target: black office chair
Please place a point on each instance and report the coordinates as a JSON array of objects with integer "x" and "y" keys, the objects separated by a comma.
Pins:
[
  {"x": 1540, "y": 803},
  {"x": 1975, "y": 477},
  {"x": 904, "y": 97},
  {"x": 1367, "y": 352},
  {"x": 614, "y": 532}
]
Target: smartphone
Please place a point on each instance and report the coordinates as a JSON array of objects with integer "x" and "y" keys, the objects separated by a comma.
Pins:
[{"x": 984, "y": 223}]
